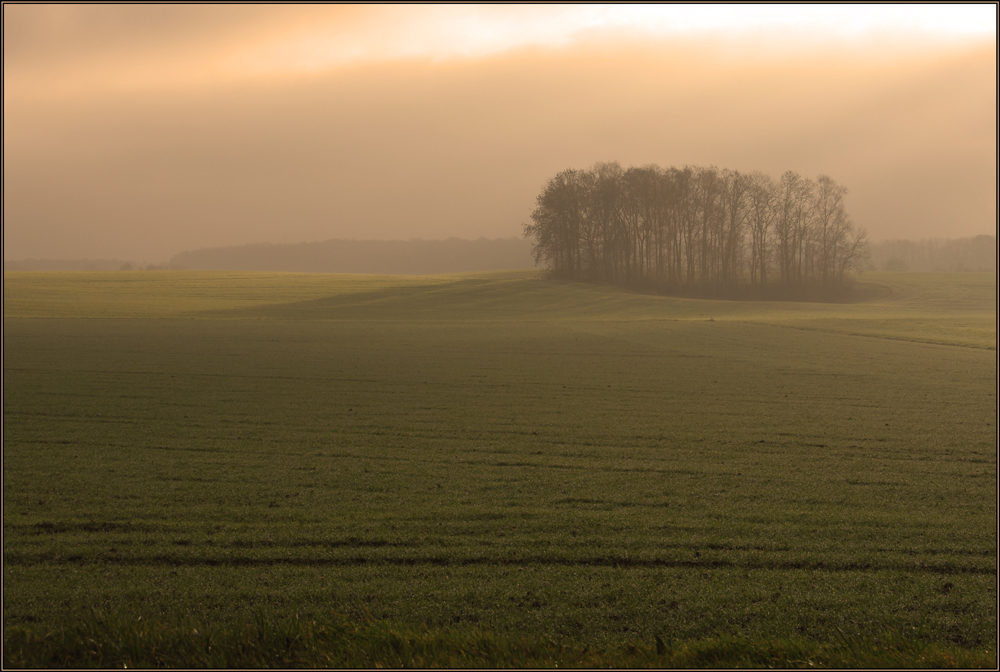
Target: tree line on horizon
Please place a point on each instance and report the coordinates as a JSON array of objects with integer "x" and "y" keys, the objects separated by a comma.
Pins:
[
  {"x": 696, "y": 230},
  {"x": 977, "y": 253}
]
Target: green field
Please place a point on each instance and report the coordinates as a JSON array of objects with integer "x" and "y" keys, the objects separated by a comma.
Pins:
[{"x": 500, "y": 453}]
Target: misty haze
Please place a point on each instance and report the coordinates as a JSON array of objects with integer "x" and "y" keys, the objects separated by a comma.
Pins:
[
  {"x": 112, "y": 150},
  {"x": 500, "y": 336}
]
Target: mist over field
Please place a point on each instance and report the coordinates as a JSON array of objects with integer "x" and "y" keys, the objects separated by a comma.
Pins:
[
  {"x": 521, "y": 336},
  {"x": 141, "y": 132}
]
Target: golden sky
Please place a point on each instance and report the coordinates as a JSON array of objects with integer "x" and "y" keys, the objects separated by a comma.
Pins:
[{"x": 139, "y": 131}]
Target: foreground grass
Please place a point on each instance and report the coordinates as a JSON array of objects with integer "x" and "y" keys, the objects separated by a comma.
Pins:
[
  {"x": 495, "y": 454},
  {"x": 114, "y": 641}
]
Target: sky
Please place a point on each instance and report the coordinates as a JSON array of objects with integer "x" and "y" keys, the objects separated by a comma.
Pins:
[{"x": 139, "y": 131}]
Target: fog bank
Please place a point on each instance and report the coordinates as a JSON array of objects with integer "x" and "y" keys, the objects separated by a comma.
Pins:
[{"x": 142, "y": 144}]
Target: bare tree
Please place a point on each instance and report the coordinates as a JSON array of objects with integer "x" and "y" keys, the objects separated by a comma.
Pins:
[
  {"x": 732, "y": 227},
  {"x": 832, "y": 226},
  {"x": 698, "y": 228},
  {"x": 763, "y": 195}
]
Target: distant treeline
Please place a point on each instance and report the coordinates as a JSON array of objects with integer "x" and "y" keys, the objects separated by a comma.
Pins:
[
  {"x": 392, "y": 257},
  {"x": 696, "y": 230},
  {"x": 455, "y": 255},
  {"x": 64, "y": 265},
  {"x": 961, "y": 254}
]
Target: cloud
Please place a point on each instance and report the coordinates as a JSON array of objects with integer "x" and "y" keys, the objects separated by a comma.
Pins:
[
  {"x": 460, "y": 146},
  {"x": 60, "y": 50}
]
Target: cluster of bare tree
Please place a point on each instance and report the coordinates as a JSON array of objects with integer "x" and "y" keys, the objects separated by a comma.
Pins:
[{"x": 700, "y": 229}]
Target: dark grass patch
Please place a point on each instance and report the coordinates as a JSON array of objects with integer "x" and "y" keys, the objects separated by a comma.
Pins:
[
  {"x": 114, "y": 641},
  {"x": 91, "y": 527},
  {"x": 526, "y": 560}
]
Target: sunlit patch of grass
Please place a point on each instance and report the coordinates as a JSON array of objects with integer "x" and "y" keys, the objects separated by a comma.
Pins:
[{"x": 180, "y": 294}]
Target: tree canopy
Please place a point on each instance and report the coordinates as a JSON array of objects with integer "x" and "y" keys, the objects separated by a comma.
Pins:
[{"x": 695, "y": 229}]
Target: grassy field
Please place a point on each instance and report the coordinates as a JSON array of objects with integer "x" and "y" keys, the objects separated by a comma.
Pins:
[{"x": 576, "y": 465}]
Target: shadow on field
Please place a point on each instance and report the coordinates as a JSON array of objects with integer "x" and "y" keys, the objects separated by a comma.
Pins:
[
  {"x": 851, "y": 292},
  {"x": 866, "y": 292},
  {"x": 488, "y": 298},
  {"x": 485, "y": 298}
]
